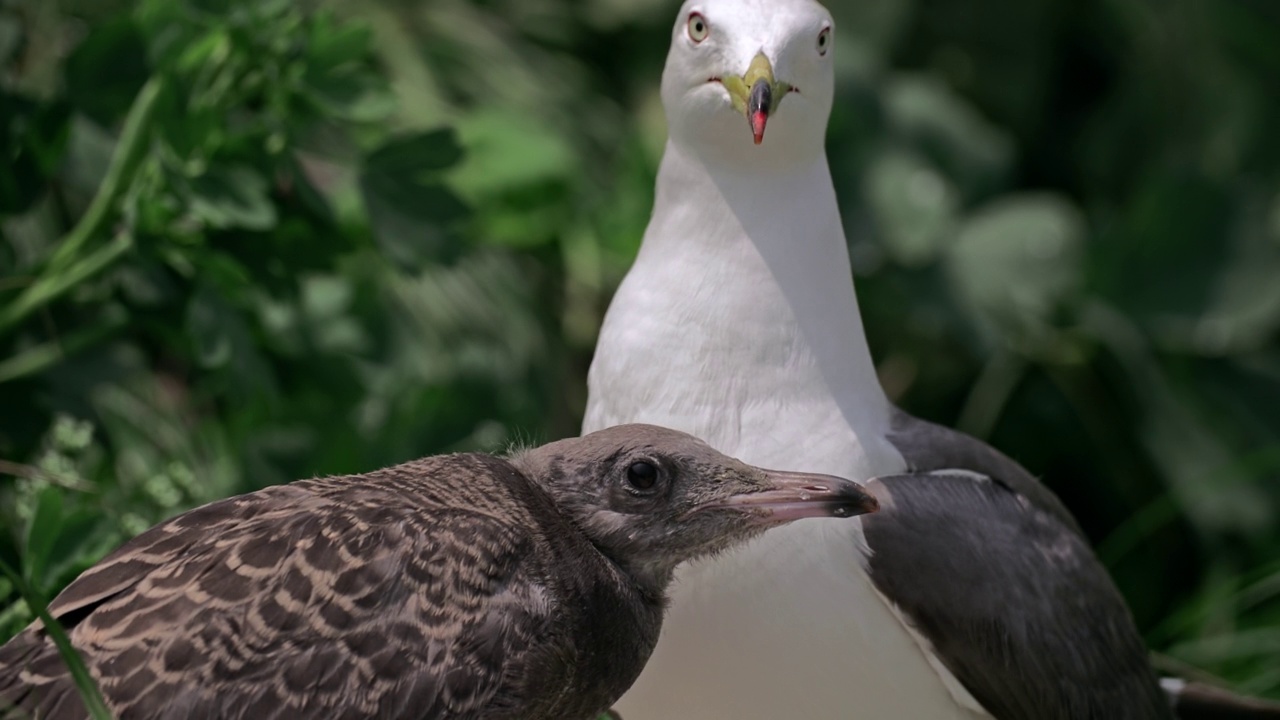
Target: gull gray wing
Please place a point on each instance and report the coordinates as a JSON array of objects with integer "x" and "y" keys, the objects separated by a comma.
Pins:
[
  {"x": 368, "y": 596},
  {"x": 991, "y": 569}
]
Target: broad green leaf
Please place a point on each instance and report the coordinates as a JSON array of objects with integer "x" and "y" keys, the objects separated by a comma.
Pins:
[
  {"x": 411, "y": 218},
  {"x": 350, "y": 95},
  {"x": 210, "y": 49},
  {"x": 914, "y": 205},
  {"x": 107, "y": 69},
  {"x": 410, "y": 221},
  {"x": 507, "y": 150},
  {"x": 207, "y": 319},
  {"x": 10, "y": 37},
  {"x": 1194, "y": 264},
  {"x": 73, "y": 549},
  {"x": 43, "y": 531},
  {"x": 21, "y": 184},
  {"x": 33, "y": 137},
  {"x": 414, "y": 155},
  {"x": 975, "y": 154},
  {"x": 333, "y": 44},
  {"x": 233, "y": 197},
  {"x": 1017, "y": 260},
  {"x": 521, "y": 172}
]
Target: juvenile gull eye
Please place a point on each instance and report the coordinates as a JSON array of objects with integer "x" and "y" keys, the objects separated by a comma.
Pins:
[
  {"x": 642, "y": 475},
  {"x": 698, "y": 28}
]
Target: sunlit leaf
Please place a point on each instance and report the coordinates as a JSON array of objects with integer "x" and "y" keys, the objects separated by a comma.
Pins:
[
  {"x": 1017, "y": 260},
  {"x": 915, "y": 206}
]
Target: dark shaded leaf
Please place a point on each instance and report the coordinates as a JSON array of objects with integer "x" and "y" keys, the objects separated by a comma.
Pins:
[
  {"x": 233, "y": 197},
  {"x": 33, "y": 137},
  {"x": 208, "y": 318},
  {"x": 411, "y": 218},
  {"x": 107, "y": 69},
  {"x": 414, "y": 155}
]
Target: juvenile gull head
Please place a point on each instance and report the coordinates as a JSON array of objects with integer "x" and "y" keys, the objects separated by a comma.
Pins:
[
  {"x": 651, "y": 498},
  {"x": 460, "y": 586}
]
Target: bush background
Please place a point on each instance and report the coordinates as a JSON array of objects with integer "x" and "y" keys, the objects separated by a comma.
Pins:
[{"x": 246, "y": 241}]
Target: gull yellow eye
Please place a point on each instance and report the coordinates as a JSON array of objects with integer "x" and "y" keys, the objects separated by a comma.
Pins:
[
  {"x": 698, "y": 27},
  {"x": 824, "y": 41}
]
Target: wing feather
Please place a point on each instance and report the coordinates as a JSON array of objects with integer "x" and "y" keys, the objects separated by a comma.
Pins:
[
  {"x": 329, "y": 598},
  {"x": 992, "y": 570}
]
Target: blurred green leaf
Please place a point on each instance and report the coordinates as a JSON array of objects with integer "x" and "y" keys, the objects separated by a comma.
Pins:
[
  {"x": 107, "y": 69},
  {"x": 205, "y": 326},
  {"x": 506, "y": 151},
  {"x": 232, "y": 197},
  {"x": 10, "y": 37},
  {"x": 520, "y": 172},
  {"x": 411, "y": 215},
  {"x": 950, "y": 131},
  {"x": 33, "y": 137},
  {"x": 415, "y": 155},
  {"x": 42, "y": 532},
  {"x": 1017, "y": 260},
  {"x": 335, "y": 45},
  {"x": 915, "y": 206}
]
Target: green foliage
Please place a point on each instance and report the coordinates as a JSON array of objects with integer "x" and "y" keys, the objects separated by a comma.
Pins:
[
  {"x": 247, "y": 241},
  {"x": 225, "y": 265}
]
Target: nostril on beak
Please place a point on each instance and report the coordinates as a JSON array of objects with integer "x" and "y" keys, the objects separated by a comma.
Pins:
[{"x": 761, "y": 98}]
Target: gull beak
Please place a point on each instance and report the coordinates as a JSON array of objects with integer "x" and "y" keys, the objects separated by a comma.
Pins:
[
  {"x": 788, "y": 496},
  {"x": 756, "y": 94}
]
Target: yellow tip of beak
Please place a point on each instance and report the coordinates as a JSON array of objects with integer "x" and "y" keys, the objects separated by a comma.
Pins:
[{"x": 759, "y": 69}]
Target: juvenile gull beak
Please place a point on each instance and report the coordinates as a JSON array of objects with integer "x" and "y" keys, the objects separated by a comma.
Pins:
[
  {"x": 756, "y": 94},
  {"x": 796, "y": 495}
]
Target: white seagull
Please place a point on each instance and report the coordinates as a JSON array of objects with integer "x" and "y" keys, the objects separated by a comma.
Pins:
[{"x": 973, "y": 593}]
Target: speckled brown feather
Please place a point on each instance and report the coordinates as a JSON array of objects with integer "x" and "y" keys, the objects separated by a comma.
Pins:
[{"x": 426, "y": 590}]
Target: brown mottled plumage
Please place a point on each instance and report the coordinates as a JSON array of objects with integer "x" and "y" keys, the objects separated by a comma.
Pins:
[{"x": 463, "y": 586}]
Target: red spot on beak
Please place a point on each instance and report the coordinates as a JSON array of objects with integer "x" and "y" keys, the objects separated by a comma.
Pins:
[{"x": 758, "y": 120}]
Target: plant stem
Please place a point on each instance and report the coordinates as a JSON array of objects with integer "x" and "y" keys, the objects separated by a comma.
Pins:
[
  {"x": 47, "y": 288},
  {"x": 65, "y": 270},
  {"x": 128, "y": 153},
  {"x": 36, "y": 359},
  {"x": 991, "y": 392},
  {"x": 89, "y": 692}
]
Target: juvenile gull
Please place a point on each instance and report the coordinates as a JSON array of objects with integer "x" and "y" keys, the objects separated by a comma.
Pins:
[
  {"x": 461, "y": 586},
  {"x": 973, "y": 594}
]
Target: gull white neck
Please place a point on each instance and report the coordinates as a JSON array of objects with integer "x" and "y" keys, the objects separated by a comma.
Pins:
[
  {"x": 740, "y": 315},
  {"x": 738, "y": 323}
]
